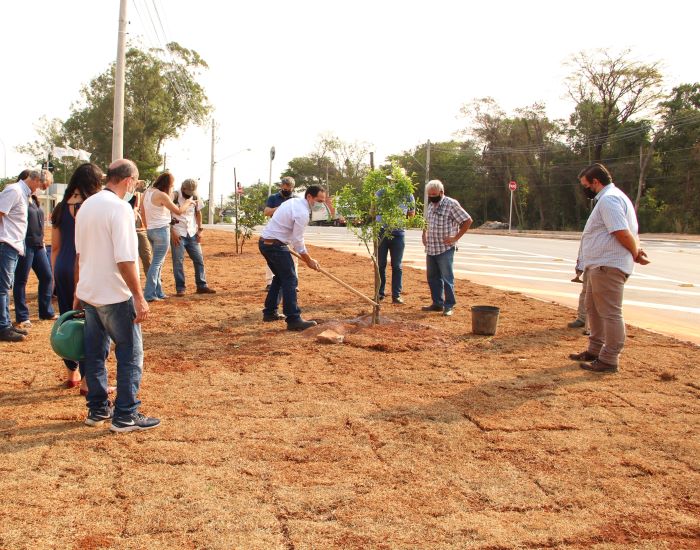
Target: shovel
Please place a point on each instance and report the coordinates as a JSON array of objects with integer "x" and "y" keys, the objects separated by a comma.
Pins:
[{"x": 342, "y": 283}]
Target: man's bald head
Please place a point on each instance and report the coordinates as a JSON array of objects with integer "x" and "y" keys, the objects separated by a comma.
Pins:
[{"x": 122, "y": 169}]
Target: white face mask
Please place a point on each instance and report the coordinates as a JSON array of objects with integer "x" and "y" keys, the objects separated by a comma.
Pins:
[
  {"x": 318, "y": 206},
  {"x": 128, "y": 196}
]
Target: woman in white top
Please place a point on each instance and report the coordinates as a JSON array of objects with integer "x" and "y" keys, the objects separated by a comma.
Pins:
[{"x": 156, "y": 209}]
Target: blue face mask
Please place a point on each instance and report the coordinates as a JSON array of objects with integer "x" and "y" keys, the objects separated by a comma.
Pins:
[
  {"x": 318, "y": 206},
  {"x": 128, "y": 196}
]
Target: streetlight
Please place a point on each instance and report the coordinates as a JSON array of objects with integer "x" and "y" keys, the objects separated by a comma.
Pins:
[{"x": 272, "y": 157}]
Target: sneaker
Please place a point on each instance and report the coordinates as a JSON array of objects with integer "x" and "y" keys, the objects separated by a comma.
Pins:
[
  {"x": 381, "y": 298},
  {"x": 300, "y": 325},
  {"x": 98, "y": 417},
  {"x": 431, "y": 307},
  {"x": 205, "y": 290},
  {"x": 448, "y": 312},
  {"x": 9, "y": 335},
  {"x": 397, "y": 300},
  {"x": 179, "y": 293},
  {"x": 23, "y": 324},
  {"x": 273, "y": 317},
  {"x": 576, "y": 324},
  {"x": 134, "y": 422},
  {"x": 21, "y": 331}
]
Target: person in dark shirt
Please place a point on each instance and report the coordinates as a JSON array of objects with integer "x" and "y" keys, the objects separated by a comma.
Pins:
[
  {"x": 273, "y": 202},
  {"x": 35, "y": 258}
]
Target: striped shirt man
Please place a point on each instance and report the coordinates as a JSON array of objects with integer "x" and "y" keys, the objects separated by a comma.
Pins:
[{"x": 613, "y": 211}]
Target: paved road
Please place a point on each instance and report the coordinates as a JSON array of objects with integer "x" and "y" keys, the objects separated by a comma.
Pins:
[{"x": 663, "y": 296}]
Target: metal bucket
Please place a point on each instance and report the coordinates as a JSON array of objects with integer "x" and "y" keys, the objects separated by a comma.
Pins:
[{"x": 485, "y": 320}]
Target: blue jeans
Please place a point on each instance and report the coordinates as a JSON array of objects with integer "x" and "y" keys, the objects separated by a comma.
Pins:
[
  {"x": 279, "y": 260},
  {"x": 395, "y": 246},
  {"x": 194, "y": 251},
  {"x": 441, "y": 279},
  {"x": 38, "y": 260},
  {"x": 8, "y": 263},
  {"x": 115, "y": 322},
  {"x": 160, "y": 241}
]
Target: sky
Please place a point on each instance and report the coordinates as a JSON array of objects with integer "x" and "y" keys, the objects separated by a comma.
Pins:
[{"x": 389, "y": 73}]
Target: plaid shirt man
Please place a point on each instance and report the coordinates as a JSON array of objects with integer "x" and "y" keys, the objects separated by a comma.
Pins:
[{"x": 444, "y": 220}]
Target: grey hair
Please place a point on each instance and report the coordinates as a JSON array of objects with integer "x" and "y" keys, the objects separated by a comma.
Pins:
[
  {"x": 287, "y": 180},
  {"x": 435, "y": 185},
  {"x": 121, "y": 169},
  {"x": 36, "y": 175}
]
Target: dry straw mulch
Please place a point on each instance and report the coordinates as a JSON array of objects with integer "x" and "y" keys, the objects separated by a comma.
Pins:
[{"x": 413, "y": 434}]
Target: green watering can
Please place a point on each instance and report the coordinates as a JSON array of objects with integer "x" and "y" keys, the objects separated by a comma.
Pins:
[{"x": 68, "y": 336}]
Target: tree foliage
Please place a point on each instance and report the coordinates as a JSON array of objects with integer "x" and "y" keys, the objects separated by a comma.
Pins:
[
  {"x": 162, "y": 98},
  {"x": 376, "y": 208},
  {"x": 333, "y": 163},
  {"x": 249, "y": 208}
]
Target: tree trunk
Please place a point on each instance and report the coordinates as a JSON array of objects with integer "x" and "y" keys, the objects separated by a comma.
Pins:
[
  {"x": 644, "y": 162},
  {"x": 377, "y": 281}
]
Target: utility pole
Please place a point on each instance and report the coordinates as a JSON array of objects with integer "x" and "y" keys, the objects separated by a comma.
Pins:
[
  {"x": 235, "y": 202},
  {"x": 211, "y": 173},
  {"x": 427, "y": 179},
  {"x": 119, "y": 77},
  {"x": 371, "y": 160},
  {"x": 165, "y": 161}
]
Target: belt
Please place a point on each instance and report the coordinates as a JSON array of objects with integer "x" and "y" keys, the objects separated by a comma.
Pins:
[{"x": 272, "y": 241}]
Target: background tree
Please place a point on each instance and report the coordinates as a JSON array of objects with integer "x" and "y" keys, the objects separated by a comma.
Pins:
[
  {"x": 249, "y": 209},
  {"x": 49, "y": 135},
  {"x": 162, "y": 98},
  {"x": 611, "y": 88},
  {"x": 340, "y": 162},
  {"x": 377, "y": 197}
]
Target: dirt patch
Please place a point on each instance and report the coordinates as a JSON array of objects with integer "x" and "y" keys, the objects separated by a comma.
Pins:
[{"x": 412, "y": 434}]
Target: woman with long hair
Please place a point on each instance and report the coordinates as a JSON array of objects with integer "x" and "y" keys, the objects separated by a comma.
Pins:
[
  {"x": 156, "y": 209},
  {"x": 36, "y": 259},
  {"x": 85, "y": 181}
]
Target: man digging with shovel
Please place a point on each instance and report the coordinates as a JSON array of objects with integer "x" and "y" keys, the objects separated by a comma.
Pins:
[{"x": 287, "y": 227}]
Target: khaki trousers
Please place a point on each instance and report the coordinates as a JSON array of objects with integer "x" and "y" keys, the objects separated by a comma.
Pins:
[
  {"x": 604, "y": 290},
  {"x": 145, "y": 250},
  {"x": 581, "y": 312}
]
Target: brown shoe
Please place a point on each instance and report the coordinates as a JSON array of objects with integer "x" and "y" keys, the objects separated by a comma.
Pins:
[
  {"x": 598, "y": 366},
  {"x": 9, "y": 335},
  {"x": 180, "y": 293},
  {"x": 206, "y": 290},
  {"x": 583, "y": 356}
]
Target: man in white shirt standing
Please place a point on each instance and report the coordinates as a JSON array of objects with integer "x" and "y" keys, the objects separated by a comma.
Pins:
[
  {"x": 109, "y": 290},
  {"x": 14, "y": 205},
  {"x": 287, "y": 227},
  {"x": 186, "y": 234},
  {"x": 609, "y": 249}
]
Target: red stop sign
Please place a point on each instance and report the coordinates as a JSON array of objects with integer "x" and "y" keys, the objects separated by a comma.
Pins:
[{"x": 512, "y": 186}]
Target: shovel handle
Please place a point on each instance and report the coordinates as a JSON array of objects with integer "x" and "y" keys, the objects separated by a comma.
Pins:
[{"x": 342, "y": 283}]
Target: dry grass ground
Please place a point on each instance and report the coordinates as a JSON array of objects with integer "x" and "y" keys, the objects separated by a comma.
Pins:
[{"x": 415, "y": 434}]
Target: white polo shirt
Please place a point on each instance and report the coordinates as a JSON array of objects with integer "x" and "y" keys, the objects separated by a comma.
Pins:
[
  {"x": 14, "y": 204},
  {"x": 104, "y": 236}
]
